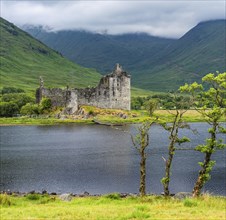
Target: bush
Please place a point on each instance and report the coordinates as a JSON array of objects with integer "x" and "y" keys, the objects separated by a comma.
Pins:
[
  {"x": 33, "y": 196},
  {"x": 19, "y": 99},
  {"x": 114, "y": 196},
  {"x": 5, "y": 200},
  {"x": 46, "y": 104},
  {"x": 151, "y": 105},
  {"x": 189, "y": 203},
  {"x": 91, "y": 112},
  {"x": 6, "y": 90},
  {"x": 30, "y": 109},
  {"x": 8, "y": 109},
  {"x": 137, "y": 102}
]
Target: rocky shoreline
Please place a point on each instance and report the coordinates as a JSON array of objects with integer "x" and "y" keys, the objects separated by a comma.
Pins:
[
  {"x": 44, "y": 192},
  {"x": 69, "y": 196}
]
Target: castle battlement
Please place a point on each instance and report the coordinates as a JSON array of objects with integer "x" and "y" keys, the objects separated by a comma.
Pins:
[{"x": 113, "y": 91}]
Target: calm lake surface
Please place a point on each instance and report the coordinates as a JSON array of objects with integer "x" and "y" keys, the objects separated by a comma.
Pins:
[{"x": 98, "y": 159}]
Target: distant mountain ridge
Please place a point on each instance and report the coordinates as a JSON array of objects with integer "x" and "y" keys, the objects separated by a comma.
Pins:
[
  {"x": 200, "y": 51},
  {"x": 24, "y": 58},
  {"x": 101, "y": 51},
  {"x": 155, "y": 63}
]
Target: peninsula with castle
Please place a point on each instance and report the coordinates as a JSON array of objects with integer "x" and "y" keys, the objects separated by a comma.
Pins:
[{"x": 112, "y": 92}]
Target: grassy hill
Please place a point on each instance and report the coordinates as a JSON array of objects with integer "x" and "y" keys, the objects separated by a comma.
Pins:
[
  {"x": 156, "y": 64},
  {"x": 23, "y": 59}
]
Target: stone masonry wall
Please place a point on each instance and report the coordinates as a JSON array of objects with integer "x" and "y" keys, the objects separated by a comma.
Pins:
[{"x": 113, "y": 91}]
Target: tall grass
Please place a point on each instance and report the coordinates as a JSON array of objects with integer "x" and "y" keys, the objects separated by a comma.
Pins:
[{"x": 113, "y": 207}]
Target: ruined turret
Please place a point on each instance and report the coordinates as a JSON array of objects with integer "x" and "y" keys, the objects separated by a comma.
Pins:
[
  {"x": 38, "y": 94},
  {"x": 41, "y": 82},
  {"x": 118, "y": 71}
]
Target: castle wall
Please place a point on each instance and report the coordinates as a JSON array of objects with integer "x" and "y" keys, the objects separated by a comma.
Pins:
[
  {"x": 59, "y": 97},
  {"x": 113, "y": 91}
]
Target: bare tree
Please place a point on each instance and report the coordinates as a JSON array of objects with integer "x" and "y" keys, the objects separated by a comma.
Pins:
[
  {"x": 181, "y": 104},
  {"x": 141, "y": 142},
  {"x": 174, "y": 140}
]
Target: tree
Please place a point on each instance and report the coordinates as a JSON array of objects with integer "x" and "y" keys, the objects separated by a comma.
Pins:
[
  {"x": 137, "y": 102},
  {"x": 215, "y": 97},
  {"x": 174, "y": 140},
  {"x": 181, "y": 104},
  {"x": 20, "y": 99},
  {"x": 30, "y": 109},
  {"x": 8, "y": 109},
  {"x": 46, "y": 104},
  {"x": 151, "y": 105},
  {"x": 6, "y": 90},
  {"x": 141, "y": 142}
]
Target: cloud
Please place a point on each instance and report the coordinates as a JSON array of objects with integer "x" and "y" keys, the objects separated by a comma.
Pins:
[{"x": 159, "y": 18}]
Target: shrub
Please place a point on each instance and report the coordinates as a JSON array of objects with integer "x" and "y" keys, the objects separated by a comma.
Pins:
[
  {"x": 8, "y": 109},
  {"x": 19, "y": 99},
  {"x": 6, "y": 90},
  {"x": 91, "y": 112},
  {"x": 46, "y": 104},
  {"x": 151, "y": 105},
  {"x": 190, "y": 203},
  {"x": 33, "y": 196},
  {"x": 5, "y": 200},
  {"x": 114, "y": 196},
  {"x": 30, "y": 109}
]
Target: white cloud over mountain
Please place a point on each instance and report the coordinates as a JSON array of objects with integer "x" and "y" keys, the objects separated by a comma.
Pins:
[{"x": 159, "y": 18}]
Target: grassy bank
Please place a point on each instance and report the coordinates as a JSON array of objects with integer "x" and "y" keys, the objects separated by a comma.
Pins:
[
  {"x": 112, "y": 207},
  {"x": 39, "y": 121},
  {"x": 105, "y": 116}
]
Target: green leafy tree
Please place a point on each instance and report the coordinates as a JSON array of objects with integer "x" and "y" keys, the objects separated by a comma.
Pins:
[
  {"x": 30, "y": 109},
  {"x": 6, "y": 90},
  {"x": 135, "y": 104},
  {"x": 151, "y": 105},
  {"x": 211, "y": 103},
  {"x": 20, "y": 99},
  {"x": 8, "y": 109},
  {"x": 46, "y": 105}
]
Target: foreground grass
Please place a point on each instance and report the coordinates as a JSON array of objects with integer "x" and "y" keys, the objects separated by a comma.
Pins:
[{"x": 113, "y": 207}]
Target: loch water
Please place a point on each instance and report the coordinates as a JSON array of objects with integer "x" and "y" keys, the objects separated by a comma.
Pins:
[{"x": 99, "y": 159}]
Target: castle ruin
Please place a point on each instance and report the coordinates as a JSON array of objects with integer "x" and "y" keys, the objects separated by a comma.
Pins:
[{"x": 113, "y": 91}]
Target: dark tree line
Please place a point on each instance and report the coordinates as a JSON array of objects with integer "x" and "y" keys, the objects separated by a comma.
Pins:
[
  {"x": 162, "y": 101},
  {"x": 14, "y": 101}
]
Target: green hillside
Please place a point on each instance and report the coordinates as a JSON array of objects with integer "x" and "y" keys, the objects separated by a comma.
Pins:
[
  {"x": 198, "y": 52},
  {"x": 23, "y": 59},
  {"x": 155, "y": 64}
]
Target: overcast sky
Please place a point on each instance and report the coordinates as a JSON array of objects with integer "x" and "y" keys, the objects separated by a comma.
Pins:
[{"x": 159, "y": 18}]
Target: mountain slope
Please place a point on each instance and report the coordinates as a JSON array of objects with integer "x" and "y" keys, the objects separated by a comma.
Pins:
[
  {"x": 198, "y": 52},
  {"x": 23, "y": 59},
  {"x": 101, "y": 51},
  {"x": 155, "y": 63}
]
